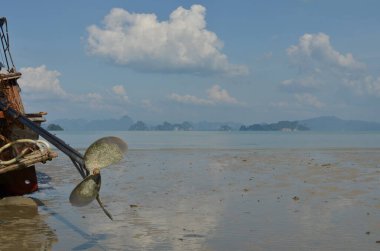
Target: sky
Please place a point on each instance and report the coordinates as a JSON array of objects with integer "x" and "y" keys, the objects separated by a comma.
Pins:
[{"x": 243, "y": 61}]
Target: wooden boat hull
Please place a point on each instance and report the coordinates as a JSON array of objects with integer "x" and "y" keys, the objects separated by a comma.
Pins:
[{"x": 18, "y": 182}]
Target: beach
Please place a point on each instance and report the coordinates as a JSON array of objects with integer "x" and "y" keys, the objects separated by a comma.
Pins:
[
  {"x": 190, "y": 125},
  {"x": 211, "y": 199}
]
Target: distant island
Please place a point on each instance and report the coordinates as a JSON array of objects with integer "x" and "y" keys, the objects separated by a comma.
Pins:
[
  {"x": 326, "y": 123},
  {"x": 279, "y": 126},
  {"x": 139, "y": 126},
  {"x": 126, "y": 123},
  {"x": 54, "y": 127}
]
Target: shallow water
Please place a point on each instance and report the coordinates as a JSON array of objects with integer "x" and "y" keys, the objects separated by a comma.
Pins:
[
  {"x": 213, "y": 199},
  {"x": 228, "y": 140}
]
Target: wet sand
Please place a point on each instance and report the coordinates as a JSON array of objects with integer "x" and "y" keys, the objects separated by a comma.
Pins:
[
  {"x": 21, "y": 226},
  {"x": 255, "y": 199}
]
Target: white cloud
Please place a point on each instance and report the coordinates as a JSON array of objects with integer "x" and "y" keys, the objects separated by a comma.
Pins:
[
  {"x": 365, "y": 85},
  {"x": 41, "y": 87},
  {"x": 316, "y": 49},
  {"x": 216, "y": 95},
  {"x": 180, "y": 44},
  {"x": 120, "y": 91},
  {"x": 219, "y": 95},
  {"x": 92, "y": 100},
  {"x": 309, "y": 100},
  {"x": 41, "y": 81},
  {"x": 322, "y": 67}
]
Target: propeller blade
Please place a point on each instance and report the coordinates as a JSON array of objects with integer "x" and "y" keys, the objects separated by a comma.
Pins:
[
  {"x": 86, "y": 191},
  {"x": 104, "y": 209},
  {"x": 104, "y": 152}
]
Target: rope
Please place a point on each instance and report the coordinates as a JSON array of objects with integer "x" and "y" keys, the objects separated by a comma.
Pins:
[{"x": 42, "y": 146}]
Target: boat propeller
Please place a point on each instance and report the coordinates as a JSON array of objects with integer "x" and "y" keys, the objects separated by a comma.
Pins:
[{"x": 102, "y": 153}]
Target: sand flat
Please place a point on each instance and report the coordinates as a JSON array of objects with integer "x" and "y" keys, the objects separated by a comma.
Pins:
[{"x": 189, "y": 199}]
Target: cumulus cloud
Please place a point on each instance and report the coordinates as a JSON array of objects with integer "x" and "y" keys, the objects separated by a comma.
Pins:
[
  {"x": 365, "y": 85},
  {"x": 180, "y": 44},
  {"x": 323, "y": 70},
  {"x": 40, "y": 80},
  {"x": 216, "y": 95},
  {"x": 316, "y": 50},
  {"x": 219, "y": 95}
]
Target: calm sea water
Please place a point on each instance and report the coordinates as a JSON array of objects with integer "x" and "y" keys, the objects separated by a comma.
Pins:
[{"x": 227, "y": 140}]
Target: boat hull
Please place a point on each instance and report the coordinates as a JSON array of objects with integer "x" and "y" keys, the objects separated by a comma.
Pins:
[{"x": 18, "y": 182}]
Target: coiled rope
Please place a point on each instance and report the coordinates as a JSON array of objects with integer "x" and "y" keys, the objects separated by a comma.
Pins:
[{"x": 42, "y": 146}]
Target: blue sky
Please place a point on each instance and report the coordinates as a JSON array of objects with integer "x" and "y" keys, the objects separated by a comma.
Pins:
[{"x": 243, "y": 61}]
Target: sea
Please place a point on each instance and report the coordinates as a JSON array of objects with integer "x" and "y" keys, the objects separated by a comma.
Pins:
[{"x": 227, "y": 140}]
